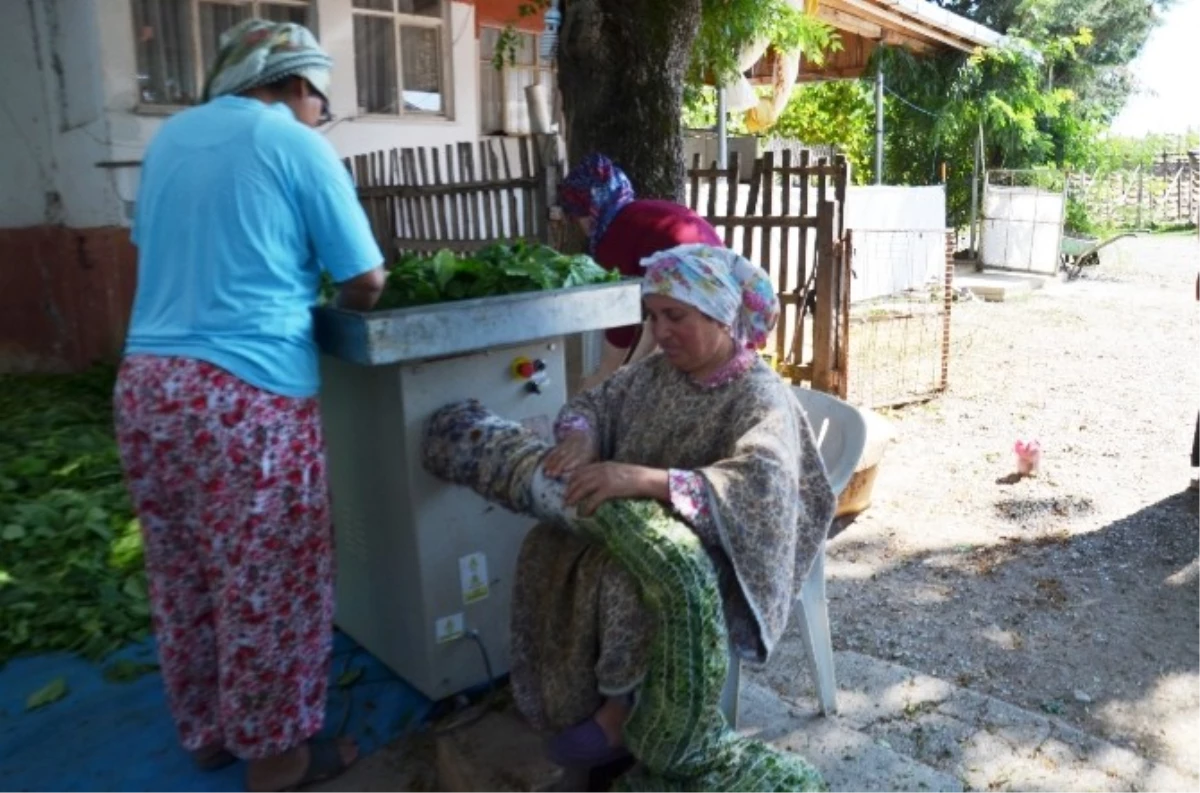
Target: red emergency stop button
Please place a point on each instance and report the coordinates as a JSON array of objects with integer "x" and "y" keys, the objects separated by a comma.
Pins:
[{"x": 524, "y": 368}]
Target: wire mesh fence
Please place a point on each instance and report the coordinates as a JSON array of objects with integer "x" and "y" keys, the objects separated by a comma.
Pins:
[{"x": 899, "y": 340}]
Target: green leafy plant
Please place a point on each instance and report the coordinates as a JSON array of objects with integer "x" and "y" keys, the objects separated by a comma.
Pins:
[
  {"x": 71, "y": 575},
  {"x": 727, "y": 26},
  {"x": 498, "y": 269}
]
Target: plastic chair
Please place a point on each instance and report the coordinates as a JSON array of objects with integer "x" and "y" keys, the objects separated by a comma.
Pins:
[{"x": 841, "y": 434}]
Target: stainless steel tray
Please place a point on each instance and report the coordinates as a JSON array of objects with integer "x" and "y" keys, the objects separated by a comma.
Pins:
[{"x": 415, "y": 334}]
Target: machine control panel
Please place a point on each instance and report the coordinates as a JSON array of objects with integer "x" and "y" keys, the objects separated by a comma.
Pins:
[{"x": 532, "y": 371}]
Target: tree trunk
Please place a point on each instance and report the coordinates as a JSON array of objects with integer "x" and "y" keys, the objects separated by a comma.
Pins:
[{"x": 621, "y": 69}]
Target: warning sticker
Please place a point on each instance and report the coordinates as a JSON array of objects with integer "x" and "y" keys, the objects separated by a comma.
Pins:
[
  {"x": 447, "y": 629},
  {"x": 473, "y": 573}
]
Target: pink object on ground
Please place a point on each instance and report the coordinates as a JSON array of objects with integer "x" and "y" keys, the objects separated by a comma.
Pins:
[{"x": 1029, "y": 456}]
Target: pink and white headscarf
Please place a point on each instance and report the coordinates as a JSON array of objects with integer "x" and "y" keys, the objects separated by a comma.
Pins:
[{"x": 718, "y": 283}]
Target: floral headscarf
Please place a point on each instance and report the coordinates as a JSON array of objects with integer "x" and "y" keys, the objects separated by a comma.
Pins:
[
  {"x": 598, "y": 189},
  {"x": 257, "y": 52},
  {"x": 718, "y": 283}
]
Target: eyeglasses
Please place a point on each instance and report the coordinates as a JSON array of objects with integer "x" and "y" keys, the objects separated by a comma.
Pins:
[{"x": 326, "y": 116}]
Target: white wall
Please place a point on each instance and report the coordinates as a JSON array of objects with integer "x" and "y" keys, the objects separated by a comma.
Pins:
[
  {"x": 899, "y": 238},
  {"x": 53, "y": 129},
  {"x": 57, "y": 123},
  {"x": 899, "y": 235}
]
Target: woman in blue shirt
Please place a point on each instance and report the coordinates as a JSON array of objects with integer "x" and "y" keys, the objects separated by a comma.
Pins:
[{"x": 242, "y": 207}]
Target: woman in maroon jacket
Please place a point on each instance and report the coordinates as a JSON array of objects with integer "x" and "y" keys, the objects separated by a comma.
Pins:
[{"x": 622, "y": 230}]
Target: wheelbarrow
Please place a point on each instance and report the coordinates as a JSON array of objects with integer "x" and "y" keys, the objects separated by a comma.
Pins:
[{"x": 1075, "y": 253}]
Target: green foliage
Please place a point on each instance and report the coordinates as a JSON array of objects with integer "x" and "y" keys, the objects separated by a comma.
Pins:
[
  {"x": 71, "y": 575},
  {"x": 498, "y": 269},
  {"x": 507, "y": 42},
  {"x": 48, "y": 694},
  {"x": 728, "y": 26},
  {"x": 1098, "y": 74},
  {"x": 936, "y": 107},
  {"x": 1078, "y": 221},
  {"x": 837, "y": 113},
  {"x": 1114, "y": 153}
]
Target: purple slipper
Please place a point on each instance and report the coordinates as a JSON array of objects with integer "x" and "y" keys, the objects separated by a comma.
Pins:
[{"x": 584, "y": 746}]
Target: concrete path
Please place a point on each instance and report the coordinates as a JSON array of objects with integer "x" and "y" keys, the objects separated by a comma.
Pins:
[{"x": 896, "y": 729}]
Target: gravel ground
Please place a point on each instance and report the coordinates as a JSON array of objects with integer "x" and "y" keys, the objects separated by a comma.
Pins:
[{"x": 1075, "y": 592}]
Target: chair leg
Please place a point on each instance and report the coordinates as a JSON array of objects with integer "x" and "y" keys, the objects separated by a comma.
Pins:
[
  {"x": 732, "y": 690},
  {"x": 814, "y": 631}
]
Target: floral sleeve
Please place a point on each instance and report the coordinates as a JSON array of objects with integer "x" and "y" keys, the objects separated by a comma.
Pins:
[
  {"x": 570, "y": 422},
  {"x": 690, "y": 498}
]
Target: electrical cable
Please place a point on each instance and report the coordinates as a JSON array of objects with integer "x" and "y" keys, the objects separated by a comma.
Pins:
[{"x": 481, "y": 708}]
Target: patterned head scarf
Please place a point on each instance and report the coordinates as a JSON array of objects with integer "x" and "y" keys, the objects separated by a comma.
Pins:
[
  {"x": 256, "y": 52},
  {"x": 718, "y": 283},
  {"x": 598, "y": 189}
]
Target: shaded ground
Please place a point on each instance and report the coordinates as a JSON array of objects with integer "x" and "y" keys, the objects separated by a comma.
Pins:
[{"x": 1074, "y": 593}]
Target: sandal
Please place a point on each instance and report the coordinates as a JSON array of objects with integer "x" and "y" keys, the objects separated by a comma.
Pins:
[
  {"x": 324, "y": 763},
  {"x": 213, "y": 759}
]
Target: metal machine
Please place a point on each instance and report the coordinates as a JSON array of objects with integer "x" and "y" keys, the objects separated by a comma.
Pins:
[{"x": 421, "y": 564}]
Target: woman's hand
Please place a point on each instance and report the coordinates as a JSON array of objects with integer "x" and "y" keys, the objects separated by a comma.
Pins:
[
  {"x": 592, "y": 485},
  {"x": 572, "y": 451}
]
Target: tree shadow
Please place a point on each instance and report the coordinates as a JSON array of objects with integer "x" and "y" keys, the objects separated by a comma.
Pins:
[{"x": 1085, "y": 627}]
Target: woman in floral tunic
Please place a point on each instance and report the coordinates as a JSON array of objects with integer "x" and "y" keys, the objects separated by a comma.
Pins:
[
  {"x": 705, "y": 426},
  {"x": 242, "y": 207}
]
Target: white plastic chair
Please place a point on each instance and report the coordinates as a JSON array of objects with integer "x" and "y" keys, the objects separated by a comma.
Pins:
[{"x": 841, "y": 435}]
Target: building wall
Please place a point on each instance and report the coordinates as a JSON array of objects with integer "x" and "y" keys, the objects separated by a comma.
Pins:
[
  {"x": 54, "y": 128},
  {"x": 67, "y": 268}
]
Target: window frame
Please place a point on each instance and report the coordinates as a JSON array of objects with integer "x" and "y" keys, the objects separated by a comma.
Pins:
[
  {"x": 400, "y": 20},
  {"x": 196, "y": 56},
  {"x": 541, "y": 67}
]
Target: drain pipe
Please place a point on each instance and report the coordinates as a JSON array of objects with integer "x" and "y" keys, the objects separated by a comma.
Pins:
[
  {"x": 879, "y": 123},
  {"x": 722, "y": 130}
]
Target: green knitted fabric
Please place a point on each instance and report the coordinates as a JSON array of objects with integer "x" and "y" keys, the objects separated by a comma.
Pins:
[{"x": 676, "y": 731}]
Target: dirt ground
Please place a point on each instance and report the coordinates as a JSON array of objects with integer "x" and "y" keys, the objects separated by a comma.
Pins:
[{"x": 1073, "y": 593}]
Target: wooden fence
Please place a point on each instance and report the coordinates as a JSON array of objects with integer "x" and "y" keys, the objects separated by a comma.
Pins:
[
  {"x": 1165, "y": 192},
  {"x": 460, "y": 197},
  {"x": 788, "y": 219}
]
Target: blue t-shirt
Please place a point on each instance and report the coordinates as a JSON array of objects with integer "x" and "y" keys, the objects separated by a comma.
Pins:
[{"x": 240, "y": 209}]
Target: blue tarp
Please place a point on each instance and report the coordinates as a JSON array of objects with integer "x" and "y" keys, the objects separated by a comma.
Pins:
[{"x": 119, "y": 736}]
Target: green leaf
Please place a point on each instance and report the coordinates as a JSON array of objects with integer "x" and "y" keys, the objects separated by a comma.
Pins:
[
  {"x": 349, "y": 677},
  {"x": 125, "y": 671},
  {"x": 13, "y": 532},
  {"x": 48, "y": 694}
]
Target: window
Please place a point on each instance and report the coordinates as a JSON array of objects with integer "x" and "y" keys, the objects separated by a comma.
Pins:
[
  {"x": 177, "y": 40},
  {"x": 399, "y": 60},
  {"x": 503, "y": 107}
]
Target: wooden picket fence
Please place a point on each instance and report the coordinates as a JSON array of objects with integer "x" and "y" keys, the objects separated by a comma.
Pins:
[
  {"x": 787, "y": 218},
  {"x": 461, "y": 197}
]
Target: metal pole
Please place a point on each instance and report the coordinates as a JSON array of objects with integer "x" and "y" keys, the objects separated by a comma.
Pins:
[
  {"x": 722, "y": 131},
  {"x": 879, "y": 124},
  {"x": 975, "y": 187},
  {"x": 1139, "y": 206}
]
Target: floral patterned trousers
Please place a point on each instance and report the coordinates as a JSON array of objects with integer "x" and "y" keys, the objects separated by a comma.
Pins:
[{"x": 229, "y": 484}]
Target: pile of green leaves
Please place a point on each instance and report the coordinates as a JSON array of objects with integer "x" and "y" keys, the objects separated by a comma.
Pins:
[
  {"x": 71, "y": 575},
  {"x": 499, "y": 269}
]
